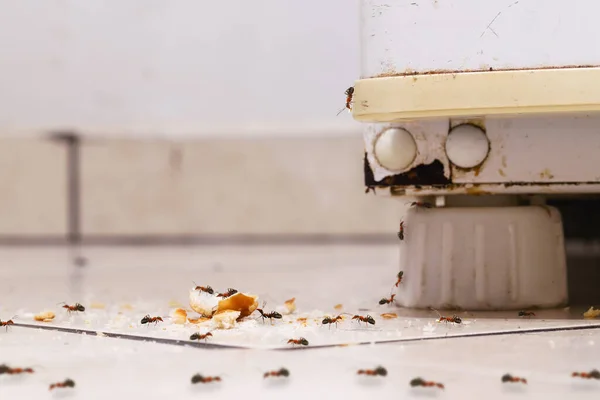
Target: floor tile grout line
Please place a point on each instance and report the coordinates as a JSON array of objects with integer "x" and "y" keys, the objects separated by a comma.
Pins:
[{"x": 213, "y": 346}]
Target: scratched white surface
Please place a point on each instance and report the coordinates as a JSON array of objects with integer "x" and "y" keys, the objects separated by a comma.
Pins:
[
  {"x": 424, "y": 35},
  {"x": 319, "y": 278}
]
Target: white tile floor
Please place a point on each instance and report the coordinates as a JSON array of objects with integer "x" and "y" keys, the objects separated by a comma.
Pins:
[{"x": 319, "y": 277}]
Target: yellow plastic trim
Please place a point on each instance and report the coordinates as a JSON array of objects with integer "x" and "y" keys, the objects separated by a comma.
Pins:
[{"x": 462, "y": 94}]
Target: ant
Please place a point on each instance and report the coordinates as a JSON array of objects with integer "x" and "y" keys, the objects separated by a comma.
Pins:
[
  {"x": 300, "y": 341},
  {"x": 420, "y": 204},
  {"x": 387, "y": 301},
  {"x": 370, "y": 189},
  {"x": 514, "y": 379},
  {"x": 455, "y": 318},
  {"x": 281, "y": 372},
  {"x": 424, "y": 383},
  {"x": 75, "y": 308},
  {"x": 205, "y": 289},
  {"x": 5, "y": 369},
  {"x": 330, "y": 320},
  {"x": 270, "y": 316},
  {"x": 7, "y": 323},
  {"x": 399, "y": 276},
  {"x": 205, "y": 379},
  {"x": 200, "y": 336},
  {"x": 67, "y": 383},
  {"x": 593, "y": 374},
  {"x": 367, "y": 319},
  {"x": 148, "y": 320},
  {"x": 230, "y": 292},
  {"x": 401, "y": 231},
  {"x": 526, "y": 314},
  {"x": 379, "y": 371},
  {"x": 349, "y": 93}
]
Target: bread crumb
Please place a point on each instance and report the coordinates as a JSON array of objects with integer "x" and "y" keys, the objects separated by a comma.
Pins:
[
  {"x": 98, "y": 306},
  {"x": 179, "y": 316},
  {"x": 225, "y": 319},
  {"x": 338, "y": 307},
  {"x": 126, "y": 307},
  {"x": 389, "y": 315},
  {"x": 244, "y": 303},
  {"x": 288, "y": 307},
  {"x": 592, "y": 313},
  {"x": 45, "y": 316},
  {"x": 198, "y": 320}
]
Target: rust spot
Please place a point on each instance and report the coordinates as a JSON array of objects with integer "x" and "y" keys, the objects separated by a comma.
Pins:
[
  {"x": 409, "y": 72},
  {"x": 421, "y": 175}
]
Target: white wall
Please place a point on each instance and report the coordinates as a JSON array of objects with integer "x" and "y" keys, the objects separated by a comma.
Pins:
[{"x": 177, "y": 67}]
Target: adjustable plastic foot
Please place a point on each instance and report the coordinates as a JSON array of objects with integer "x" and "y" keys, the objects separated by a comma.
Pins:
[{"x": 483, "y": 258}]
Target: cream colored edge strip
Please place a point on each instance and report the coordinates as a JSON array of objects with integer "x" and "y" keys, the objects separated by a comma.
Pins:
[{"x": 477, "y": 93}]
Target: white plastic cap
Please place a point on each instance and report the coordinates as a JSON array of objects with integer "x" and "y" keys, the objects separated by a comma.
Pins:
[
  {"x": 467, "y": 146},
  {"x": 395, "y": 149}
]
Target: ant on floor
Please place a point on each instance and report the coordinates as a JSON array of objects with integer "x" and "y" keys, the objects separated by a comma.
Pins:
[
  {"x": 421, "y": 382},
  {"x": 282, "y": 372},
  {"x": 300, "y": 341},
  {"x": 366, "y": 319},
  {"x": 379, "y": 371},
  {"x": 75, "y": 308},
  {"x": 148, "y": 320},
  {"x": 200, "y": 336},
  {"x": 67, "y": 383},
  {"x": 205, "y": 379},
  {"x": 514, "y": 379},
  {"x": 7, "y": 323},
  {"x": 268, "y": 315},
  {"x": 332, "y": 320},
  {"x": 453, "y": 319}
]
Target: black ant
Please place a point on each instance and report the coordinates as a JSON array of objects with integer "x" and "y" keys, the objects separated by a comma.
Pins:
[
  {"x": 514, "y": 379},
  {"x": 349, "y": 94},
  {"x": 205, "y": 379},
  {"x": 526, "y": 314},
  {"x": 281, "y": 372},
  {"x": 7, "y": 323},
  {"x": 270, "y": 316},
  {"x": 200, "y": 336},
  {"x": 424, "y": 383},
  {"x": 401, "y": 231},
  {"x": 399, "y": 277},
  {"x": 205, "y": 289},
  {"x": 593, "y": 374},
  {"x": 67, "y": 383},
  {"x": 300, "y": 341},
  {"x": 379, "y": 371},
  {"x": 76, "y": 308},
  {"x": 454, "y": 319},
  {"x": 230, "y": 292},
  {"x": 370, "y": 189},
  {"x": 366, "y": 319},
  {"x": 148, "y": 320},
  {"x": 330, "y": 320},
  {"x": 420, "y": 204},
  {"x": 387, "y": 301}
]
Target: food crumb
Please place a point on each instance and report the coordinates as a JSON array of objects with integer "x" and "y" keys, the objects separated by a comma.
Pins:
[
  {"x": 45, "y": 316},
  {"x": 98, "y": 306},
  {"x": 389, "y": 315},
  {"x": 338, "y": 306},
  {"x": 592, "y": 313},
  {"x": 179, "y": 316}
]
